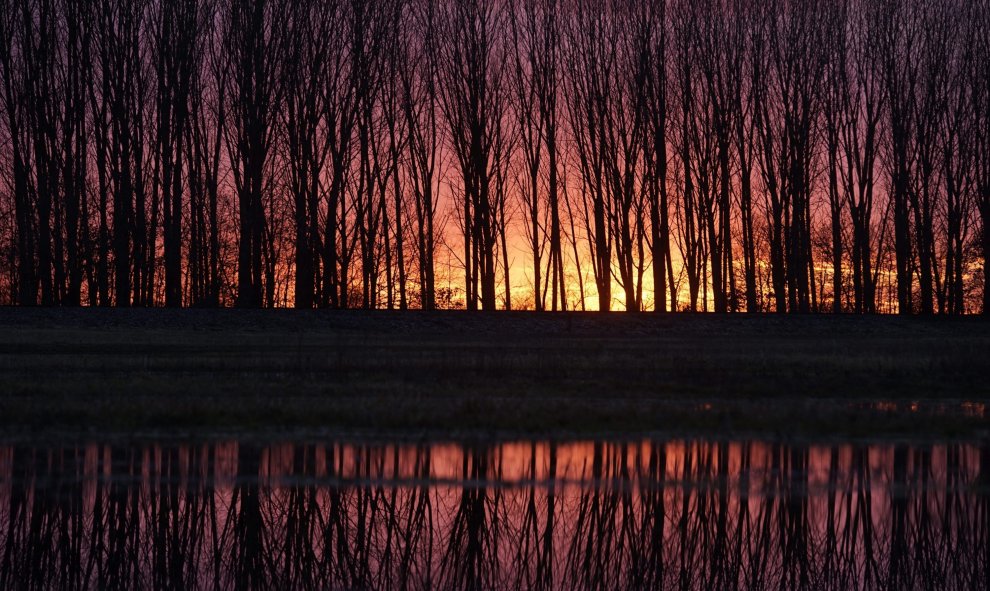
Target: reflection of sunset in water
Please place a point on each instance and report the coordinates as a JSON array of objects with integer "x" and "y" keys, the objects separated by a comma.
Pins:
[{"x": 507, "y": 515}]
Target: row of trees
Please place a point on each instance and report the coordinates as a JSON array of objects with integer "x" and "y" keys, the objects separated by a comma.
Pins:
[{"x": 722, "y": 155}]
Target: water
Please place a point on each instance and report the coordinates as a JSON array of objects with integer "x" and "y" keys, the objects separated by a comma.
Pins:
[{"x": 507, "y": 515}]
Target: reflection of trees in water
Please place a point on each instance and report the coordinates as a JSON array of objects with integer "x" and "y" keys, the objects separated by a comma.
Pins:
[{"x": 690, "y": 515}]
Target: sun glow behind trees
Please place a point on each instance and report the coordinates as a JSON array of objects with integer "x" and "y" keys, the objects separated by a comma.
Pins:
[{"x": 725, "y": 155}]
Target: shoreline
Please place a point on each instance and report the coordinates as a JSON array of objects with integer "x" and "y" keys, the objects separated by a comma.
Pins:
[{"x": 523, "y": 373}]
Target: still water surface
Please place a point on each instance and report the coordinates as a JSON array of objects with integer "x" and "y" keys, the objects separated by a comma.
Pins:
[{"x": 516, "y": 515}]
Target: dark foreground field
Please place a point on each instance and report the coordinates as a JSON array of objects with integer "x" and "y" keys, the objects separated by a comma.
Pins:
[{"x": 459, "y": 374}]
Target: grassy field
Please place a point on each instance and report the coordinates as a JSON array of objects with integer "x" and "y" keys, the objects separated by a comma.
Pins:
[{"x": 461, "y": 374}]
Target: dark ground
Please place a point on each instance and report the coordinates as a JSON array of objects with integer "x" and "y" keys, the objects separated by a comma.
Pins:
[{"x": 461, "y": 374}]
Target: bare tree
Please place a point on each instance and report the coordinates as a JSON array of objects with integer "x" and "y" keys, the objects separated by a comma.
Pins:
[
  {"x": 743, "y": 96},
  {"x": 12, "y": 66},
  {"x": 398, "y": 139},
  {"x": 898, "y": 42},
  {"x": 420, "y": 110},
  {"x": 254, "y": 34},
  {"x": 860, "y": 98},
  {"x": 956, "y": 142},
  {"x": 718, "y": 61},
  {"x": 204, "y": 144},
  {"x": 833, "y": 107},
  {"x": 790, "y": 51},
  {"x": 607, "y": 85},
  {"x": 312, "y": 46},
  {"x": 928, "y": 102},
  {"x": 473, "y": 100},
  {"x": 535, "y": 34},
  {"x": 173, "y": 54},
  {"x": 654, "y": 54},
  {"x": 689, "y": 233},
  {"x": 980, "y": 95}
]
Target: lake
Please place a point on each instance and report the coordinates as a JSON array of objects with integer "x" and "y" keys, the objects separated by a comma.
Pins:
[{"x": 404, "y": 514}]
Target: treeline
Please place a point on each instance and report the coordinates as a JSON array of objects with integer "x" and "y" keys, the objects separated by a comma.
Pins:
[{"x": 726, "y": 155}]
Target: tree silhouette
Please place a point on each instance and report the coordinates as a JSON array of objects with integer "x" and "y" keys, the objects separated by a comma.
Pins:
[{"x": 717, "y": 155}]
